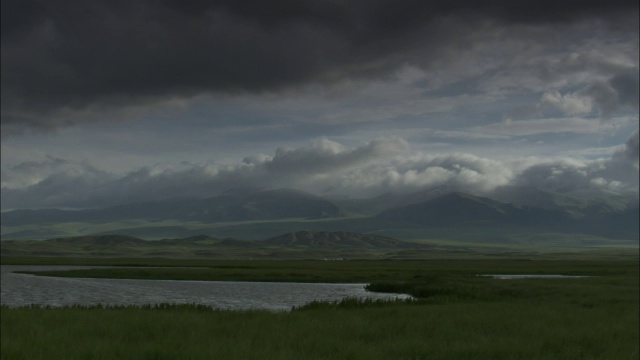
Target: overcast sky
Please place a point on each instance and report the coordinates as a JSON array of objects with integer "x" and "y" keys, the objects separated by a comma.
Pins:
[{"x": 108, "y": 101}]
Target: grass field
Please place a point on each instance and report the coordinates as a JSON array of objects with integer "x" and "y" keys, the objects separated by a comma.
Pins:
[
  {"x": 524, "y": 246},
  {"x": 262, "y": 229},
  {"x": 458, "y": 315},
  {"x": 457, "y": 330},
  {"x": 369, "y": 271}
]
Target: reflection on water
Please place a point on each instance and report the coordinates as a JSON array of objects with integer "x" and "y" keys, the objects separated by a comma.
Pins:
[{"x": 23, "y": 289}]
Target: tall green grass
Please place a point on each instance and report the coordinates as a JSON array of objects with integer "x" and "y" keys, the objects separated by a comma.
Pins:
[
  {"x": 457, "y": 316},
  {"x": 462, "y": 330}
]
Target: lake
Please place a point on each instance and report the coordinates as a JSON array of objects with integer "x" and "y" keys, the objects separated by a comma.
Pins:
[{"x": 24, "y": 289}]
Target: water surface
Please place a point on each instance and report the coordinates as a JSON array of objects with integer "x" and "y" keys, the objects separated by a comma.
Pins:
[
  {"x": 531, "y": 276},
  {"x": 25, "y": 289}
]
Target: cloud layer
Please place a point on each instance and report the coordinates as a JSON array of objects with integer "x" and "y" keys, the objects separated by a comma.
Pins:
[
  {"x": 67, "y": 62},
  {"x": 323, "y": 167},
  {"x": 472, "y": 95}
]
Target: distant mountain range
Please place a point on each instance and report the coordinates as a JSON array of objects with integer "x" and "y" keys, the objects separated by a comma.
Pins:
[
  {"x": 527, "y": 208},
  {"x": 459, "y": 209},
  {"x": 455, "y": 209},
  {"x": 229, "y": 206}
]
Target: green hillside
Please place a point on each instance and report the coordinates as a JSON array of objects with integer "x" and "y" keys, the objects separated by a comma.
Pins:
[{"x": 261, "y": 214}]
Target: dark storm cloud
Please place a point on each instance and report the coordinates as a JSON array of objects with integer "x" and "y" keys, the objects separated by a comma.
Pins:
[
  {"x": 623, "y": 166},
  {"x": 621, "y": 90},
  {"x": 61, "y": 56},
  {"x": 632, "y": 148}
]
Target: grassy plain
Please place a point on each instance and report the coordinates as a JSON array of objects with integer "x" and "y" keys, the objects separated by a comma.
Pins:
[
  {"x": 458, "y": 315},
  {"x": 369, "y": 271},
  {"x": 530, "y": 245},
  {"x": 262, "y": 229}
]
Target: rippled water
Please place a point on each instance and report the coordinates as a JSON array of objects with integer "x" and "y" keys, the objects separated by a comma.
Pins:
[{"x": 23, "y": 289}]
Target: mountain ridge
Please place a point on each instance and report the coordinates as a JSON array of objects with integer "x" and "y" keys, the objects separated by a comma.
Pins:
[
  {"x": 257, "y": 205},
  {"x": 439, "y": 208}
]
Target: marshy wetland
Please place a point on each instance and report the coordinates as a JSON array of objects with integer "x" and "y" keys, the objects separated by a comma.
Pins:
[{"x": 456, "y": 314}]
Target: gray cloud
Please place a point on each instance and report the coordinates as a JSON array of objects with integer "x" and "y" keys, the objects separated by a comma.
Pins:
[
  {"x": 324, "y": 167},
  {"x": 564, "y": 176},
  {"x": 53, "y": 183},
  {"x": 63, "y": 57},
  {"x": 34, "y": 172},
  {"x": 623, "y": 165},
  {"x": 409, "y": 173},
  {"x": 618, "y": 173},
  {"x": 553, "y": 126},
  {"x": 568, "y": 103},
  {"x": 631, "y": 148},
  {"x": 620, "y": 90},
  {"x": 327, "y": 156},
  {"x": 44, "y": 184}
]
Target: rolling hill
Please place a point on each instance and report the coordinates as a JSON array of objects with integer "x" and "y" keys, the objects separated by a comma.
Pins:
[
  {"x": 337, "y": 239},
  {"x": 299, "y": 244},
  {"x": 229, "y": 206},
  {"x": 258, "y": 214}
]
